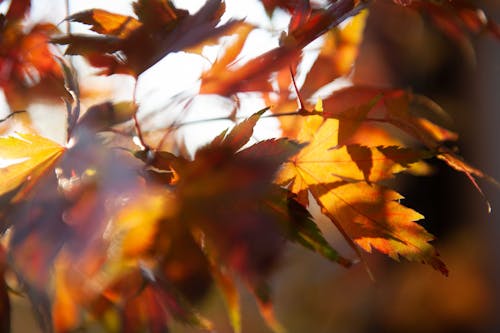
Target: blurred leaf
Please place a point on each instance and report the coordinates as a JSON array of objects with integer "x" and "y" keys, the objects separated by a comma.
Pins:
[
  {"x": 26, "y": 152},
  {"x": 103, "y": 116},
  {"x": 337, "y": 54},
  {"x": 30, "y": 72},
  {"x": 231, "y": 295},
  {"x": 221, "y": 193},
  {"x": 130, "y": 46},
  {"x": 106, "y": 23},
  {"x": 254, "y": 74},
  {"x": 18, "y": 9},
  {"x": 262, "y": 293}
]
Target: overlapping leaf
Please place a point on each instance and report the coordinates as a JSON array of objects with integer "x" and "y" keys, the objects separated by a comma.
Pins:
[
  {"x": 254, "y": 74},
  {"x": 357, "y": 104},
  {"x": 130, "y": 46},
  {"x": 134, "y": 243},
  {"x": 368, "y": 215}
]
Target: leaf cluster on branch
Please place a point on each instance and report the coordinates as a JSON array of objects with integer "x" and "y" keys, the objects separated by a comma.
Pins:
[{"x": 115, "y": 228}]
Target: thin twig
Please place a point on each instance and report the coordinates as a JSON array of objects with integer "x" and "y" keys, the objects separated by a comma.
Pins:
[
  {"x": 11, "y": 115},
  {"x": 297, "y": 92},
  {"x": 68, "y": 23}
]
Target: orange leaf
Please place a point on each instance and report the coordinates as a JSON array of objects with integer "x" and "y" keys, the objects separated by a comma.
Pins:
[
  {"x": 366, "y": 214},
  {"x": 29, "y": 70},
  {"x": 104, "y": 22},
  {"x": 337, "y": 54}
]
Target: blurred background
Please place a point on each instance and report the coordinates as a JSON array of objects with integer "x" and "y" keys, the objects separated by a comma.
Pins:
[{"x": 400, "y": 49}]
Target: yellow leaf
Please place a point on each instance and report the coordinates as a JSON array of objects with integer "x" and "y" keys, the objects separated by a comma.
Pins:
[
  {"x": 366, "y": 214},
  {"x": 23, "y": 156}
]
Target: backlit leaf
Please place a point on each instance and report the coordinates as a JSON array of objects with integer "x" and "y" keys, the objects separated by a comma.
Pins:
[
  {"x": 30, "y": 71},
  {"x": 106, "y": 23},
  {"x": 335, "y": 178},
  {"x": 24, "y": 153},
  {"x": 337, "y": 54},
  {"x": 130, "y": 46}
]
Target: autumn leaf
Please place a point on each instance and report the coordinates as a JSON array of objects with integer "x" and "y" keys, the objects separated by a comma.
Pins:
[
  {"x": 221, "y": 187},
  {"x": 30, "y": 72},
  {"x": 358, "y": 104},
  {"x": 254, "y": 74},
  {"x": 337, "y": 55},
  {"x": 18, "y": 9},
  {"x": 324, "y": 160},
  {"x": 227, "y": 286},
  {"x": 24, "y": 154},
  {"x": 106, "y": 23},
  {"x": 160, "y": 28},
  {"x": 368, "y": 215},
  {"x": 301, "y": 228}
]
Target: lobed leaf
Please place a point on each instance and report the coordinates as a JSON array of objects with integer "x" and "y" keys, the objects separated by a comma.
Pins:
[
  {"x": 365, "y": 214},
  {"x": 25, "y": 153},
  {"x": 106, "y": 23},
  {"x": 130, "y": 46}
]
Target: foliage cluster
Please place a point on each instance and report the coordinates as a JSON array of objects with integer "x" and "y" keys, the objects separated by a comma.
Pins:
[{"x": 121, "y": 225}]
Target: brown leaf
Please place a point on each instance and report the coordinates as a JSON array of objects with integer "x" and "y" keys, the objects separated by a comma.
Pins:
[
  {"x": 136, "y": 45},
  {"x": 18, "y": 9}
]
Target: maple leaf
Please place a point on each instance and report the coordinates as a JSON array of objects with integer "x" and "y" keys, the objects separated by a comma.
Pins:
[
  {"x": 26, "y": 153},
  {"x": 30, "y": 72},
  {"x": 130, "y": 46},
  {"x": 368, "y": 215},
  {"x": 106, "y": 23},
  {"x": 357, "y": 104},
  {"x": 254, "y": 74},
  {"x": 337, "y": 54},
  {"x": 225, "y": 190}
]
